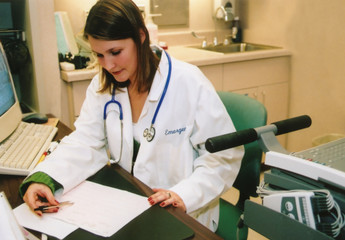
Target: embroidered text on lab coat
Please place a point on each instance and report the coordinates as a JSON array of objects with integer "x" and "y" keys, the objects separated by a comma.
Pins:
[{"x": 179, "y": 131}]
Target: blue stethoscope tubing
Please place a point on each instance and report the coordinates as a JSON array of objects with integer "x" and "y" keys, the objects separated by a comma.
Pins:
[
  {"x": 113, "y": 101},
  {"x": 148, "y": 133},
  {"x": 164, "y": 91}
]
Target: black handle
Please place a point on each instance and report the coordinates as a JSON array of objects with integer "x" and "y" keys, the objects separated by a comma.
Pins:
[
  {"x": 231, "y": 140},
  {"x": 292, "y": 124},
  {"x": 249, "y": 135}
]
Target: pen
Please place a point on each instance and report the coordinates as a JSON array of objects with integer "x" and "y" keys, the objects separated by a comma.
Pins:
[
  {"x": 51, "y": 148},
  {"x": 44, "y": 208},
  {"x": 42, "y": 157}
]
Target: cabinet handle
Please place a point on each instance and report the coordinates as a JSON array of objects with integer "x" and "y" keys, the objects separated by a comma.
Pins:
[{"x": 263, "y": 96}]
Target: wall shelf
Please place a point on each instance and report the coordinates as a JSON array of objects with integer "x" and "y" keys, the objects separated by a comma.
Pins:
[{"x": 18, "y": 34}]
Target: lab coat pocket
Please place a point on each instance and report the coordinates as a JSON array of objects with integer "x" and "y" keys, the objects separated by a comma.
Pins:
[{"x": 175, "y": 155}]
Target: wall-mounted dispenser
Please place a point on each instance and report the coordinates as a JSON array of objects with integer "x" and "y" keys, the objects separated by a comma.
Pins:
[{"x": 224, "y": 10}]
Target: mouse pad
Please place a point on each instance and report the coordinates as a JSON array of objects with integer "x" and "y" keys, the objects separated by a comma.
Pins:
[{"x": 155, "y": 223}]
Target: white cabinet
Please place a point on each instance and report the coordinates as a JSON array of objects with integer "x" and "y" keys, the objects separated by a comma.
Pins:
[
  {"x": 266, "y": 80},
  {"x": 77, "y": 82},
  {"x": 263, "y": 79},
  {"x": 215, "y": 74}
]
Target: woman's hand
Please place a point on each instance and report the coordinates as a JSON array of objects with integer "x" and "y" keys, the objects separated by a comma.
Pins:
[
  {"x": 38, "y": 195},
  {"x": 165, "y": 198}
]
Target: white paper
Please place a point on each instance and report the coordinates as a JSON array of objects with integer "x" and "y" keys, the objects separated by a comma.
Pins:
[
  {"x": 100, "y": 209},
  {"x": 9, "y": 228},
  {"x": 45, "y": 224}
]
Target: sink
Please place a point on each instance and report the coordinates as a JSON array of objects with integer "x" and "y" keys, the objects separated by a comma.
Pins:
[{"x": 235, "y": 47}]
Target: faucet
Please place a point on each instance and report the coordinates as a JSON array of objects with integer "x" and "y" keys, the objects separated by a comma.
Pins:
[
  {"x": 204, "y": 42},
  {"x": 225, "y": 14},
  {"x": 226, "y": 39}
]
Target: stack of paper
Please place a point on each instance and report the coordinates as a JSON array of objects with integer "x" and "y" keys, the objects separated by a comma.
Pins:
[{"x": 98, "y": 209}]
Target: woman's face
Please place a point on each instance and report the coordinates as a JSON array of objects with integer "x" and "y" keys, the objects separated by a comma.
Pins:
[{"x": 118, "y": 57}]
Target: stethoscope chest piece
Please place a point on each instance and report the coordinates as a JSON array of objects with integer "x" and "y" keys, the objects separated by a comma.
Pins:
[{"x": 149, "y": 133}]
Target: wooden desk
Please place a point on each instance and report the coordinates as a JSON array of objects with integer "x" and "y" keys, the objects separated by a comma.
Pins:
[{"x": 10, "y": 184}]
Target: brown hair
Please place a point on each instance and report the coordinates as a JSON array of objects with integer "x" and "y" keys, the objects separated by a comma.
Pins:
[{"x": 121, "y": 19}]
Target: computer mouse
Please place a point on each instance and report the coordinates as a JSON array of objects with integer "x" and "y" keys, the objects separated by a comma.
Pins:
[{"x": 35, "y": 118}]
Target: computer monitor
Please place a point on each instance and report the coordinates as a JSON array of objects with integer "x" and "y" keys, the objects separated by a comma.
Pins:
[{"x": 10, "y": 112}]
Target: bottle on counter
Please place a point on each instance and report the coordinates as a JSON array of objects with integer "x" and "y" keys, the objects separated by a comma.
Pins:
[
  {"x": 152, "y": 29},
  {"x": 236, "y": 30}
]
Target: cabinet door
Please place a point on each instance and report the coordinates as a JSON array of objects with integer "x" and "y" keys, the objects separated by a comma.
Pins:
[
  {"x": 215, "y": 74},
  {"x": 79, "y": 94},
  {"x": 250, "y": 92},
  {"x": 275, "y": 99},
  {"x": 253, "y": 73}
]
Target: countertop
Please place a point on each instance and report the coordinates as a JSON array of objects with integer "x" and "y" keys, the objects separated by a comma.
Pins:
[
  {"x": 79, "y": 74},
  {"x": 194, "y": 56},
  {"x": 201, "y": 57}
]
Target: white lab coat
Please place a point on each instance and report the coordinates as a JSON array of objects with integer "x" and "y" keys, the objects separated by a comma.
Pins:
[{"x": 176, "y": 158}]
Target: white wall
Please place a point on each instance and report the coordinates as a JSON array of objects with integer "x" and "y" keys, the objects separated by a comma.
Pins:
[
  {"x": 313, "y": 31},
  {"x": 76, "y": 11}
]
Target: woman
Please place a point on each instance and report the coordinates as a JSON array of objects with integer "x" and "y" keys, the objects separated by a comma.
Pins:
[{"x": 136, "y": 91}]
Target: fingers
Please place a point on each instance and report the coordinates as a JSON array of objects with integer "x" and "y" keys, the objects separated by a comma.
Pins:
[
  {"x": 165, "y": 198},
  {"x": 178, "y": 204},
  {"x": 38, "y": 195}
]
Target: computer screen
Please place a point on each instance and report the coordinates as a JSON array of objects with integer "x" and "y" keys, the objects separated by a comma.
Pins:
[{"x": 10, "y": 112}]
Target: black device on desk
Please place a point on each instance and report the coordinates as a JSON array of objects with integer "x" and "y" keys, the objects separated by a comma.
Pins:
[
  {"x": 35, "y": 118},
  {"x": 274, "y": 225},
  {"x": 278, "y": 157},
  {"x": 332, "y": 224},
  {"x": 320, "y": 167}
]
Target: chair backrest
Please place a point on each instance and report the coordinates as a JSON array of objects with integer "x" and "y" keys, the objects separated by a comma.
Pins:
[{"x": 245, "y": 113}]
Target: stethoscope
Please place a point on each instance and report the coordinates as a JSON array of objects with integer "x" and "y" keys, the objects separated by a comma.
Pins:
[{"x": 149, "y": 133}]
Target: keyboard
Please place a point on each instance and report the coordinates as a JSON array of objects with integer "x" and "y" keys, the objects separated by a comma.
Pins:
[
  {"x": 21, "y": 151},
  {"x": 325, "y": 163},
  {"x": 330, "y": 154}
]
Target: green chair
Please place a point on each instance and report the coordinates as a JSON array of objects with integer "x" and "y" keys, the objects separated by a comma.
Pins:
[{"x": 245, "y": 113}]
